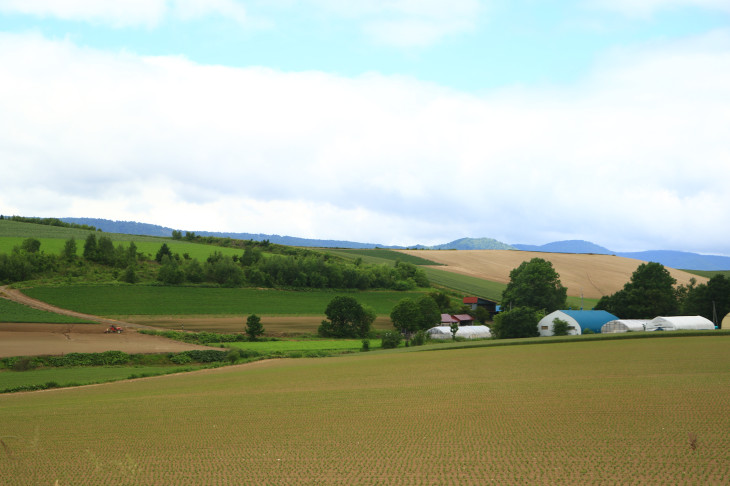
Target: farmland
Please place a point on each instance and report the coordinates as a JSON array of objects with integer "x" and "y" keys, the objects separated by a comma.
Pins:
[
  {"x": 583, "y": 274},
  {"x": 125, "y": 300},
  {"x": 268, "y": 347},
  {"x": 82, "y": 376},
  {"x": 145, "y": 244},
  {"x": 606, "y": 412},
  {"x": 14, "y": 312}
]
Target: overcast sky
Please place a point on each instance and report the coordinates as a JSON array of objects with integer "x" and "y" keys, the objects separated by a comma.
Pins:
[{"x": 383, "y": 121}]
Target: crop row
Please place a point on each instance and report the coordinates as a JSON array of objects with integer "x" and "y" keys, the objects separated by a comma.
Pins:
[
  {"x": 111, "y": 300},
  {"x": 13, "y": 312},
  {"x": 616, "y": 412}
]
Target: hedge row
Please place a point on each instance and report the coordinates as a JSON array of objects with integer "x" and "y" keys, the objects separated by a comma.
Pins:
[{"x": 109, "y": 358}]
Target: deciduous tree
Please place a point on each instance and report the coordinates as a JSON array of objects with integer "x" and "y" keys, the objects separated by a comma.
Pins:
[
  {"x": 516, "y": 323},
  {"x": 535, "y": 284},
  {"x": 649, "y": 293},
  {"x": 347, "y": 318}
]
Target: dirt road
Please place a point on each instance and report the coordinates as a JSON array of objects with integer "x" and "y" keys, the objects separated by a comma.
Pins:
[{"x": 29, "y": 339}]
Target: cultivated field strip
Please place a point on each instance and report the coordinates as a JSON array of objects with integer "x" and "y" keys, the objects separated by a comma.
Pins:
[
  {"x": 583, "y": 274},
  {"x": 619, "y": 412}
]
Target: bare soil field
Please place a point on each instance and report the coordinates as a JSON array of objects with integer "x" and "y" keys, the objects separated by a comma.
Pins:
[
  {"x": 25, "y": 339},
  {"x": 592, "y": 275},
  {"x": 57, "y": 339}
]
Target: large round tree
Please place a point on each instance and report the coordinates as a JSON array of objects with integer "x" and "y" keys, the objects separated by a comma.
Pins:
[
  {"x": 649, "y": 293},
  {"x": 535, "y": 284},
  {"x": 346, "y": 319}
]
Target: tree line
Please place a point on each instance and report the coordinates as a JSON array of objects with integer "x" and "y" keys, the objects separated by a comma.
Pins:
[{"x": 254, "y": 267}]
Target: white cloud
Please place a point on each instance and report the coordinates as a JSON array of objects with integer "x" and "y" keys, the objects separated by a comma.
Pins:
[
  {"x": 407, "y": 23},
  {"x": 125, "y": 13},
  {"x": 634, "y": 157},
  {"x": 645, "y": 8}
]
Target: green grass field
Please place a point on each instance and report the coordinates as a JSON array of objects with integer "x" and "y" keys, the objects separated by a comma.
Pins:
[
  {"x": 198, "y": 251},
  {"x": 82, "y": 375},
  {"x": 13, "y": 312},
  {"x": 466, "y": 284},
  {"x": 644, "y": 411},
  {"x": 123, "y": 300},
  {"x": 379, "y": 256},
  {"x": 710, "y": 273},
  {"x": 266, "y": 347}
]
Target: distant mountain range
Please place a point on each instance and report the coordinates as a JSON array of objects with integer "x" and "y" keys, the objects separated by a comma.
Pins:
[
  {"x": 668, "y": 258},
  {"x": 673, "y": 259}
]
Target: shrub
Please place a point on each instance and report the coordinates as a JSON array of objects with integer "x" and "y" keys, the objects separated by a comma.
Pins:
[
  {"x": 365, "y": 345},
  {"x": 181, "y": 358},
  {"x": 419, "y": 339},
  {"x": 24, "y": 364},
  {"x": 560, "y": 327},
  {"x": 391, "y": 339}
]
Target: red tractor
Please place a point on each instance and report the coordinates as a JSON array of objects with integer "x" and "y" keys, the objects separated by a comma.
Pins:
[{"x": 114, "y": 329}]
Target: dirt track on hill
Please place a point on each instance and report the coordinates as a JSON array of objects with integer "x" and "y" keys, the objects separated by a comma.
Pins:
[
  {"x": 29, "y": 339},
  {"x": 593, "y": 275},
  {"x": 19, "y": 297}
]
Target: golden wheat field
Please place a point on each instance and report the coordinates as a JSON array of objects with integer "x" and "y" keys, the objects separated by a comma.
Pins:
[
  {"x": 645, "y": 411},
  {"x": 593, "y": 275}
]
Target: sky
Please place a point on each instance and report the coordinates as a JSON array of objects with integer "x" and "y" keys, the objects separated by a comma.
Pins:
[{"x": 397, "y": 122}]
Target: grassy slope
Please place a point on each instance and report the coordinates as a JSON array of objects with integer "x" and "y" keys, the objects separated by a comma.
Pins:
[
  {"x": 380, "y": 255},
  {"x": 266, "y": 347},
  {"x": 81, "y": 375},
  {"x": 122, "y": 300},
  {"x": 613, "y": 412},
  {"x": 710, "y": 273},
  {"x": 14, "y": 312}
]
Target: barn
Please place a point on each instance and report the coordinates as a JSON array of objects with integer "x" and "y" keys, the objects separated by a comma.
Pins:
[
  {"x": 624, "y": 325},
  {"x": 448, "y": 319},
  {"x": 466, "y": 332},
  {"x": 680, "y": 323},
  {"x": 474, "y": 302},
  {"x": 578, "y": 321}
]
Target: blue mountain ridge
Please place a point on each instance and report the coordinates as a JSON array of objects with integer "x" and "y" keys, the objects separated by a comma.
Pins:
[{"x": 668, "y": 258}]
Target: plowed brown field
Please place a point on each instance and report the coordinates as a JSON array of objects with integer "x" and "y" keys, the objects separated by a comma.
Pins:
[
  {"x": 55, "y": 339},
  {"x": 592, "y": 275}
]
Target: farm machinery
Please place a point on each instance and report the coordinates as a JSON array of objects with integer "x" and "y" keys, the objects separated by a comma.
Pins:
[{"x": 114, "y": 329}]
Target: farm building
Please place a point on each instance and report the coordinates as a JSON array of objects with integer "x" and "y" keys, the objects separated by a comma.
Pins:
[
  {"x": 448, "y": 319},
  {"x": 467, "y": 332},
  {"x": 578, "y": 321},
  {"x": 475, "y": 302},
  {"x": 624, "y": 325},
  {"x": 464, "y": 319},
  {"x": 680, "y": 323}
]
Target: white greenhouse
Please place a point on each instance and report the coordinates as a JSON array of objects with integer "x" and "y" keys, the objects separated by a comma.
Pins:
[
  {"x": 680, "y": 323},
  {"x": 579, "y": 321},
  {"x": 467, "y": 332},
  {"x": 624, "y": 325}
]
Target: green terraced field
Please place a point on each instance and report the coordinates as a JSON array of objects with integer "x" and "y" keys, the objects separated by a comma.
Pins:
[
  {"x": 124, "y": 300},
  {"x": 14, "y": 312}
]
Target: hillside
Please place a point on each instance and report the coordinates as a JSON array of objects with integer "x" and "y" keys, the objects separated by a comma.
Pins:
[{"x": 591, "y": 275}]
